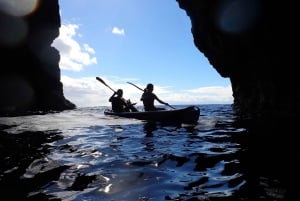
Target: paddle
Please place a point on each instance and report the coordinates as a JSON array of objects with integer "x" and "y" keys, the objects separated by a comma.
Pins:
[
  {"x": 136, "y": 86},
  {"x": 143, "y": 90},
  {"x": 128, "y": 103},
  {"x": 100, "y": 80}
]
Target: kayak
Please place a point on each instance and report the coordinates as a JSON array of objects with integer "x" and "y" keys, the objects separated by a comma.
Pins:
[{"x": 187, "y": 115}]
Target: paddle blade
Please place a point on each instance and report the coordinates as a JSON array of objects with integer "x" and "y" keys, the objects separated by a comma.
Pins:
[{"x": 99, "y": 79}]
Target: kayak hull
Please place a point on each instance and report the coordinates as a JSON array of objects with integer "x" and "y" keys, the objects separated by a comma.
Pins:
[{"x": 187, "y": 115}]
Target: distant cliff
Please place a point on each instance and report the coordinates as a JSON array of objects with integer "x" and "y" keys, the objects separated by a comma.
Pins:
[
  {"x": 249, "y": 41},
  {"x": 30, "y": 75}
]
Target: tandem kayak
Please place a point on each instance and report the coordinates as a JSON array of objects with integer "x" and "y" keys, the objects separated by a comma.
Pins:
[{"x": 187, "y": 115}]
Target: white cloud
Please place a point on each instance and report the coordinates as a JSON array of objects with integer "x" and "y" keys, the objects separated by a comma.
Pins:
[
  {"x": 213, "y": 94},
  {"x": 74, "y": 57},
  {"x": 84, "y": 92},
  {"x": 118, "y": 31},
  {"x": 88, "y": 49},
  {"x": 88, "y": 92}
]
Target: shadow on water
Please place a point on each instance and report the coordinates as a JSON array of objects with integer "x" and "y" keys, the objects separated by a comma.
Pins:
[
  {"x": 270, "y": 160},
  {"x": 151, "y": 126}
]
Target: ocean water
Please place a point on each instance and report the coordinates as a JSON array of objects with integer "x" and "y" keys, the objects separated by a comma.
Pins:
[{"x": 84, "y": 155}]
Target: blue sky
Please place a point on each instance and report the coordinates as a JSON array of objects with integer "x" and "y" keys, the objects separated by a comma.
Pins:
[{"x": 138, "y": 41}]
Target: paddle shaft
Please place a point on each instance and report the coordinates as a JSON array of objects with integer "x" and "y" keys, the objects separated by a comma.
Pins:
[
  {"x": 171, "y": 106},
  {"x": 135, "y": 86}
]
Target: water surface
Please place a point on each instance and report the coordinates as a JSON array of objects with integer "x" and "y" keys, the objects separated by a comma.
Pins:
[{"x": 82, "y": 154}]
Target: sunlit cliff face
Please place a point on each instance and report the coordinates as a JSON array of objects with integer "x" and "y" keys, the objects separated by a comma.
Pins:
[{"x": 16, "y": 28}]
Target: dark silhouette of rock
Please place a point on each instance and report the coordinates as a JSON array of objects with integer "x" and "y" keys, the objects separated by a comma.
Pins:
[
  {"x": 30, "y": 75},
  {"x": 249, "y": 41}
]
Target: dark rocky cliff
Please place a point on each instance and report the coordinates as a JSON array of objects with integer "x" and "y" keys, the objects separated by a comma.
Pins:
[
  {"x": 30, "y": 75},
  {"x": 248, "y": 41}
]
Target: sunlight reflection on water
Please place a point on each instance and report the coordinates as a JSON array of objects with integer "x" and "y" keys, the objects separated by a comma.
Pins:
[{"x": 66, "y": 120}]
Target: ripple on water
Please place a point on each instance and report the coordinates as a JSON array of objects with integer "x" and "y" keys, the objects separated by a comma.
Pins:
[{"x": 83, "y": 155}]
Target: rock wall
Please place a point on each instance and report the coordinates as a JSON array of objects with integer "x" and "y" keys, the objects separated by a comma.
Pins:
[
  {"x": 249, "y": 41},
  {"x": 30, "y": 75}
]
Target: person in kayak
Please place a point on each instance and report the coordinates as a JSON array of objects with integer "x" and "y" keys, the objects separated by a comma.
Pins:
[
  {"x": 148, "y": 98},
  {"x": 119, "y": 104}
]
